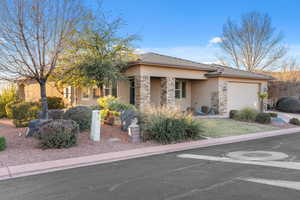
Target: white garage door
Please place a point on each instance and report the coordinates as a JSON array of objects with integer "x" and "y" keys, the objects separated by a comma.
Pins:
[{"x": 242, "y": 95}]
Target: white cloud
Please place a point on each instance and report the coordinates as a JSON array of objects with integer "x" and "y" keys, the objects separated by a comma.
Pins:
[{"x": 215, "y": 40}]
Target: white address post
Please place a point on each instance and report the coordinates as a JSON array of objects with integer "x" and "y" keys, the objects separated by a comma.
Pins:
[{"x": 95, "y": 126}]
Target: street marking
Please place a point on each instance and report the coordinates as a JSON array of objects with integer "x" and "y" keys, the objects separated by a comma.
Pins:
[
  {"x": 278, "y": 164},
  {"x": 279, "y": 183}
]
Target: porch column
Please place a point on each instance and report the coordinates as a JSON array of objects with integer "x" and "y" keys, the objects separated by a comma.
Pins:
[
  {"x": 142, "y": 91},
  {"x": 168, "y": 91}
]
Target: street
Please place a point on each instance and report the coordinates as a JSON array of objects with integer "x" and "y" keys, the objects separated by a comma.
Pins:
[{"x": 206, "y": 174}]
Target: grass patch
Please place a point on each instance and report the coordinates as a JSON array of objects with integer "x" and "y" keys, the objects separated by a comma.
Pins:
[{"x": 227, "y": 127}]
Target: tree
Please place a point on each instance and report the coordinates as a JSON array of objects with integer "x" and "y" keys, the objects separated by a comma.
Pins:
[
  {"x": 97, "y": 56},
  {"x": 33, "y": 35},
  {"x": 253, "y": 44}
]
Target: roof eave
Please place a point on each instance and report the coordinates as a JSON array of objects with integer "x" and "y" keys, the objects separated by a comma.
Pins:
[
  {"x": 238, "y": 76},
  {"x": 171, "y": 66}
]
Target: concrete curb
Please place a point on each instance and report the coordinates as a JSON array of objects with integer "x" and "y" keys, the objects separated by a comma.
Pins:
[{"x": 55, "y": 165}]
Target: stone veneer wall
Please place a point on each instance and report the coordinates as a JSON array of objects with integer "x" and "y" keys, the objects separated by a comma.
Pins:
[
  {"x": 142, "y": 91},
  {"x": 168, "y": 91}
]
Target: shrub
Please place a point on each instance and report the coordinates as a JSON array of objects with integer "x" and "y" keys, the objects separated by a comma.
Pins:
[
  {"x": 54, "y": 103},
  {"x": 295, "y": 121},
  {"x": 166, "y": 125},
  {"x": 111, "y": 107},
  {"x": 8, "y": 108},
  {"x": 24, "y": 112},
  {"x": 247, "y": 114},
  {"x": 2, "y": 143},
  {"x": 263, "y": 118},
  {"x": 288, "y": 104},
  {"x": 8, "y": 95},
  {"x": 273, "y": 114},
  {"x": 55, "y": 114},
  {"x": 205, "y": 109},
  {"x": 82, "y": 115},
  {"x": 58, "y": 134},
  {"x": 233, "y": 114}
]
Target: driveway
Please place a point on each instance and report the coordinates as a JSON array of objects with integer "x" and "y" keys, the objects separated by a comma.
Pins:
[{"x": 206, "y": 173}]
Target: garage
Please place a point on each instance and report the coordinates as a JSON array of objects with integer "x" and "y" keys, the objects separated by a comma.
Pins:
[{"x": 242, "y": 95}]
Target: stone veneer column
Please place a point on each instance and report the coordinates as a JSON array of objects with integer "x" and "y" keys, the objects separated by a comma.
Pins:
[
  {"x": 264, "y": 88},
  {"x": 167, "y": 91},
  {"x": 219, "y": 98},
  {"x": 142, "y": 91}
]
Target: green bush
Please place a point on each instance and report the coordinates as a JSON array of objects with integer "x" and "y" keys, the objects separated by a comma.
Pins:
[
  {"x": 54, "y": 103},
  {"x": 247, "y": 114},
  {"x": 8, "y": 108},
  {"x": 2, "y": 143},
  {"x": 168, "y": 127},
  {"x": 233, "y": 114},
  {"x": 24, "y": 112},
  {"x": 263, "y": 118},
  {"x": 82, "y": 115},
  {"x": 295, "y": 121},
  {"x": 8, "y": 95},
  {"x": 288, "y": 104},
  {"x": 58, "y": 134},
  {"x": 273, "y": 114}
]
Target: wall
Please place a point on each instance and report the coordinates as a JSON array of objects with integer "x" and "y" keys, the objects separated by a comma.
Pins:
[
  {"x": 155, "y": 91},
  {"x": 202, "y": 91},
  {"x": 279, "y": 89},
  {"x": 32, "y": 91}
]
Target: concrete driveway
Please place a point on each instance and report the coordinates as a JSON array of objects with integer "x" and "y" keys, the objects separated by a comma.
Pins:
[{"x": 254, "y": 171}]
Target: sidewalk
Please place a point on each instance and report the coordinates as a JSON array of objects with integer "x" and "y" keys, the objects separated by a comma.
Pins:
[{"x": 49, "y": 166}]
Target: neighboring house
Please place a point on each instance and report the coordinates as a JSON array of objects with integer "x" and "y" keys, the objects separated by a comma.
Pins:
[{"x": 164, "y": 80}]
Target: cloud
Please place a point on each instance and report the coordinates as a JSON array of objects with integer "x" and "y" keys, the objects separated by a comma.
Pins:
[{"x": 215, "y": 40}]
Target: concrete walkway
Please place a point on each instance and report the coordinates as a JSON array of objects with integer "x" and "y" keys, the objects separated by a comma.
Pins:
[{"x": 49, "y": 166}]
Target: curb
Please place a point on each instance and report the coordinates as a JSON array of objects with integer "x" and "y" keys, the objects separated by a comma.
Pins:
[{"x": 56, "y": 165}]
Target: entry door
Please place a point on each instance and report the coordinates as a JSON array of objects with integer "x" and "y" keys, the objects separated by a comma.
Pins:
[{"x": 132, "y": 91}]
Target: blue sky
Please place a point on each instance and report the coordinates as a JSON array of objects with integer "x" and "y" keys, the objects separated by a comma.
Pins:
[{"x": 185, "y": 28}]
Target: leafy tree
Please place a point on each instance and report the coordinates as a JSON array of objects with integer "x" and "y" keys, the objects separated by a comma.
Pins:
[
  {"x": 97, "y": 56},
  {"x": 253, "y": 44}
]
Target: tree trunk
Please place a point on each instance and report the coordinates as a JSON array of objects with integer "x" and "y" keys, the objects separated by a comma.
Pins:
[{"x": 44, "y": 100}]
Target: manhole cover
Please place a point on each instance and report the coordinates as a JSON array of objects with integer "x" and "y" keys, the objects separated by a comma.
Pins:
[{"x": 257, "y": 155}]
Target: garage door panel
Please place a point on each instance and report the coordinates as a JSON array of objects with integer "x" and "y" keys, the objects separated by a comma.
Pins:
[{"x": 242, "y": 95}]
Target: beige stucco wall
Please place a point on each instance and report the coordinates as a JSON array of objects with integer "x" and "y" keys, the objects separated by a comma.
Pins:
[
  {"x": 123, "y": 91},
  {"x": 171, "y": 72},
  {"x": 155, "y": 91},
  {"x": 202, "y": 90},
  {"x": 32, "y": 90}
]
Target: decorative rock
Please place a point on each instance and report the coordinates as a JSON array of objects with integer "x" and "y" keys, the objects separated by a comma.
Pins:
[
  {"x": 34, "y": 126},
  {"x": 134, "y": 131},
  {"x": 114, "y": 140},
  {"x": 126, "y": 118}
]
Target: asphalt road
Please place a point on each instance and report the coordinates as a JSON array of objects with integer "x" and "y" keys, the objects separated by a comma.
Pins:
[{"x": 171, "y": 177}]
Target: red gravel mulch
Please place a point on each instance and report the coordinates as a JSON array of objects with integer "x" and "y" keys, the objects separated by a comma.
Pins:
[{"x": 22, "y": 150}]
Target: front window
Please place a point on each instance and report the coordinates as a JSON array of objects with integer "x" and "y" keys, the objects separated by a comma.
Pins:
[
  {"x": 180, "y": 89},
  {"x": 110, "y": 89}
]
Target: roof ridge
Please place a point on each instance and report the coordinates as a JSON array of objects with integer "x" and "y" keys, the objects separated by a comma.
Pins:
[
  {"x": 176, "y": 58},
  {"x": 239, "y": 69}
]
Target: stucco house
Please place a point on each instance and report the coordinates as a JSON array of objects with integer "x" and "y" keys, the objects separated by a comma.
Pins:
[{"x": 164, "y": 80}]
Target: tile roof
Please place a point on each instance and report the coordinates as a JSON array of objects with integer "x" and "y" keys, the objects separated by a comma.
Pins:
[{"x": 213, "y": 70}]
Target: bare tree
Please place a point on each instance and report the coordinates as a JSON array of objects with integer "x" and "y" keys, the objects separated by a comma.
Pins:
[
  {"x": 253, "y": 44},
  {"x": 33, "y": 34}
]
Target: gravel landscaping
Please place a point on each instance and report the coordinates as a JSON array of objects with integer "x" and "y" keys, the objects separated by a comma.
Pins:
[{"x": 22, "y": 150}]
